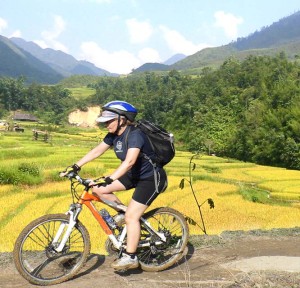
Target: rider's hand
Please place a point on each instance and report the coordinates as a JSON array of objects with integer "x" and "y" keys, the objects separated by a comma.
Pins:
[
  {"x": 98, "y": 182},
  {"x": 74, "y": 168},
  {"x": 108, "y": 180},
  {"x": 103, "y": 181}
]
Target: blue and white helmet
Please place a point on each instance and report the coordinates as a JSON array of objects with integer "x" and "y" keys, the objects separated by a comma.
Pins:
[{"x": 112, "y": 109}]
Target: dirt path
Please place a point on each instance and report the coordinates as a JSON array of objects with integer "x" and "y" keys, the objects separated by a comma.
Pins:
[{"x": 232, "y": 260}]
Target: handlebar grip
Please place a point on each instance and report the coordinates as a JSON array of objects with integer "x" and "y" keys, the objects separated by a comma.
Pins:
[{"x": 71, "y": 174}]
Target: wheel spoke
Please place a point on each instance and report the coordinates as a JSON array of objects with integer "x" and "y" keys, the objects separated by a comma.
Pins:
[
  {"x": 35, "y": 255},
  {"x": 159, "y": 255}
]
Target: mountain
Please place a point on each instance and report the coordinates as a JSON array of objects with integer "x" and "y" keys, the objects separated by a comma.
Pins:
[
  {"x": 175, "y": 58},
  {"x": 159, "y": 66},
  {"x": 278, "y": 34},
  {"x": 16, "y": 62},
  {"x": 63, "y": 63},
  {"x": 151, "y": 67},
  {"x": 283, "y": 35}
]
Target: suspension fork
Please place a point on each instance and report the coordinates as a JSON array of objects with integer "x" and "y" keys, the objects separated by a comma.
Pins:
[{"x": 74, "y": 211}]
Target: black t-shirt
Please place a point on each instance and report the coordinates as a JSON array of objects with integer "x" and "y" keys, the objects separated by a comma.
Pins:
[{"x": 136, "y": 139}]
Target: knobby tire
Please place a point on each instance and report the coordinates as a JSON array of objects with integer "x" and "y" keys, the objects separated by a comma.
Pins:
[
  {"x": 173, "y": 224},
  {"x": 38, "y": 262}
]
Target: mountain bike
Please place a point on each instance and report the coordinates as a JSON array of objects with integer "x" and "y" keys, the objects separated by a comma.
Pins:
[{"x": 54, "y": 247}]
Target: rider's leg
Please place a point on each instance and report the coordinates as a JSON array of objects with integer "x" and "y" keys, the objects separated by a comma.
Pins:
[
  {"x": 129, "y": 259},
  {"x": 144, "y": 194},
  {"x": 106, "y": 192},
  {"x": 132, "y": 218}
]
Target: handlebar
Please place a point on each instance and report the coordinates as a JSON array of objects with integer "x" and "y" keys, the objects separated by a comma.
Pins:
[
  {"x": 87, "y": 185},
  {"x": 85, "y": 182}
]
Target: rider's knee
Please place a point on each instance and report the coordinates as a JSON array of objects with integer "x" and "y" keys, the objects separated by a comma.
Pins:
[{"x": 131, "y": 218}]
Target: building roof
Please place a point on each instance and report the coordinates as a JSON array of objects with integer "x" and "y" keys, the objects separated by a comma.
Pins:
[{"x": 24, "y": 117}]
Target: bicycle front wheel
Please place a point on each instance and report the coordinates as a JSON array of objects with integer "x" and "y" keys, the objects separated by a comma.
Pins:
[
  {"x": 158, "y": 255},
  {"x": 35, "y": 254}
]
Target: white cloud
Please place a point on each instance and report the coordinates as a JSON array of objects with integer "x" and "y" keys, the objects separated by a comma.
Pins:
[
  {"x": 41, "y": 43},
  {"x": 228, "y": 22},
  {"x": 139, "y": 32},
  {"x": 16, "y": 34},
  {"x": 3, "y": 24},
  {"x": 59, "y": 27},
  {"x": 149, "y": 55},
  {"x": 121, "y": 62},
  {"x": 50, "y": 36},
  {"x": 178, "y": 44}
]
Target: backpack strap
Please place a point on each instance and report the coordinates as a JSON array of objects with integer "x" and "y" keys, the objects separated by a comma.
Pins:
[
  {"x": 155, "y": 172},
  {"x": 145, "y": 156},
  {"x": 130, "y": 129}
]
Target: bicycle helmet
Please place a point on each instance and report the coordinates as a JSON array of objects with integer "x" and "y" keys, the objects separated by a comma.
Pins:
[{"x": 112, "y": 109}]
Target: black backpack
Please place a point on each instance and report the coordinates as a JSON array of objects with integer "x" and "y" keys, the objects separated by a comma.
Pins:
[{"x": 162, "y": 142}]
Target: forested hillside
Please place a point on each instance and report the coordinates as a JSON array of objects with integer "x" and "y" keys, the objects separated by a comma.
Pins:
[
  {"x": 284, "y": 31},
  {"x": 16, "y": 62},
  {"x": 248, "y": 110},
  {"x": 61, "y": 62},
  {"x": 50, "y": 103}
]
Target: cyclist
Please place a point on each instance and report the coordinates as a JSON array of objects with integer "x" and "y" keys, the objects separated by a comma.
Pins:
[{"x": 135, "y": 171}]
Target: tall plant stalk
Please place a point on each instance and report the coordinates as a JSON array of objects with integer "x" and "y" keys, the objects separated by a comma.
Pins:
[{"x": 192, "y": 167}]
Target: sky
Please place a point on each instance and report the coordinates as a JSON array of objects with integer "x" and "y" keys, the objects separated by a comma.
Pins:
[{"x": 122, "y": 35}]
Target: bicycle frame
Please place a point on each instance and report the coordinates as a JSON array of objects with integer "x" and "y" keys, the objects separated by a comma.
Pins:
[{"x": 87, "y": 199}]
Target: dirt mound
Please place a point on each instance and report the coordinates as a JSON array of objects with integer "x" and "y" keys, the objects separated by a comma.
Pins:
[{"x": 84, "y": 118}]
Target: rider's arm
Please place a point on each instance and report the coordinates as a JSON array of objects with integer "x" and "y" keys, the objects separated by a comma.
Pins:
[
  {"x": 93, "y": 154},
  {"x": 126, "y": 165}
]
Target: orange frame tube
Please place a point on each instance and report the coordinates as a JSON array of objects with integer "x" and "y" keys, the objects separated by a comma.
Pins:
[{"x": 86, "y": 199}]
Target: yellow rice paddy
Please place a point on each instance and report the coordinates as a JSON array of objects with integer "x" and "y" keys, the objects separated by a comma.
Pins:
[{"x": 220, "y": 180}]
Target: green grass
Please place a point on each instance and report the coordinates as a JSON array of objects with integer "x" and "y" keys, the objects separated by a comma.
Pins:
[
  {"x": 82, "y": 92},
  {"x": 24, "y": 173},
  {"x": 255, "y": 195}
]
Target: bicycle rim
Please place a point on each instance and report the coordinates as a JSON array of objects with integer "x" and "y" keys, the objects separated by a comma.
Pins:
[
  {"x": 35, "y": 256},
  {"x": 160, "y": 256}
]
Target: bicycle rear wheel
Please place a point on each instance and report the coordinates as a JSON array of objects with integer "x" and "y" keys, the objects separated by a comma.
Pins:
[
  {"x": 35, "y": 256},
  {"x": 161, "y": 256}
]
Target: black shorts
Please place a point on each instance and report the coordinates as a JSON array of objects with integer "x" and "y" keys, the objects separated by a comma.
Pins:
[{"x": 145, "y": 189}]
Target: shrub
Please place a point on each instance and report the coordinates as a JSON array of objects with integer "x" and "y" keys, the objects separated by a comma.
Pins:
[
  {"x": 25, "y": 173},
  {"x": 29, "y": 168},
  {"x": 8, "y": 176}
]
